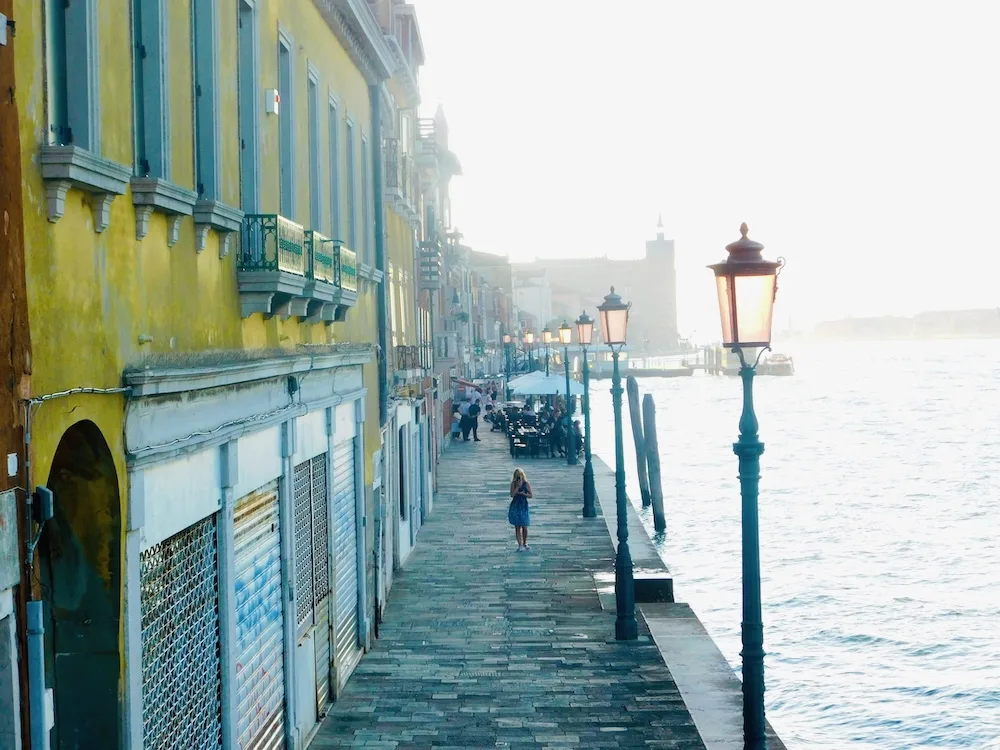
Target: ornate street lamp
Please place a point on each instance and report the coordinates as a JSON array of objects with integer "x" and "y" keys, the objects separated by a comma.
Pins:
[
  {"x": 506, "y": 363},
  {"x": 614, "y": 325},
  {"x": 529, "y": 340},
  {"x": 747, "y": 285},
  {"x": 565, "y": 335},
  {"x": 584, "y": 335},
  {"x": 546, "y": 339}
]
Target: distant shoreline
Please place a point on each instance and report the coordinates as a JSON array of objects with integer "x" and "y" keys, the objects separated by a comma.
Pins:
[{"x": 936, "y": 325}]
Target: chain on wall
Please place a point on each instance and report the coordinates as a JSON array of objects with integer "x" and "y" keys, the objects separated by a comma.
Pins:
[{"x": 181, "y": 678}]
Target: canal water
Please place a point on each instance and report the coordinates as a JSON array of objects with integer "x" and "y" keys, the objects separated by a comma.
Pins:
[{"x": 880, "y": 535}]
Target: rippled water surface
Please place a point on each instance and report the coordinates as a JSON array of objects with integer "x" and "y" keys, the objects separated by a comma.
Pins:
[{"x": 880, "y": 535}]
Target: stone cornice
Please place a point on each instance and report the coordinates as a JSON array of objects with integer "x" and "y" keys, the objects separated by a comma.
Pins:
[
  {"x": 404, "y": 73},
  {"x": 358, "y": 31},
  {"x": 160, "y": 378}
]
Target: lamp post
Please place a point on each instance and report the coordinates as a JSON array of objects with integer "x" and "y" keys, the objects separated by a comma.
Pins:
[
  {"x": 506, "y": 364},
  {"x": 529, "y": 340},
  {"x": 546, "y": 339},
  {"x": 614, "y": 325},
  {"x": 747, "y": 284},
  {"x": 584, "y": 335},
  {"x": 565, "y": 334}
]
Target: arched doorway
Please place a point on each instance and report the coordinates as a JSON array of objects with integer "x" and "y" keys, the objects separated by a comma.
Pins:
[{"x": 81, "y": 576}]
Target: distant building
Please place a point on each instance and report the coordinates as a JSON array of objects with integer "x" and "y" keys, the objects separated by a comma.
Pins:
[
  {"x": 533, "y": 292},
  {"x": 649, "y": 283}
]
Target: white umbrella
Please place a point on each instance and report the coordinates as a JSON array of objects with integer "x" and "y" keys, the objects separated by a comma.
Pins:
[
  {"x": 539, "y": 384},
  {"x": 527, "y": 378}
]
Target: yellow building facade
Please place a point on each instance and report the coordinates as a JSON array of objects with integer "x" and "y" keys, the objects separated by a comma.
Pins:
[{"x": 204, "y": 275}]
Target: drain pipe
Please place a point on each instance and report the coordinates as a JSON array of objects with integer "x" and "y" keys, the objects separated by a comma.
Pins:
[{"x": 34, "y": 609}]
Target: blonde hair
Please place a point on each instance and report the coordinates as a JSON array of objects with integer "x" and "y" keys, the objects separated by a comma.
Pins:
[{"x": 518, "y": 474}]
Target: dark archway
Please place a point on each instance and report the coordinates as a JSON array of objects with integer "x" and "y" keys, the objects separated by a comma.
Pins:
[{"x": 81, "y": 577}]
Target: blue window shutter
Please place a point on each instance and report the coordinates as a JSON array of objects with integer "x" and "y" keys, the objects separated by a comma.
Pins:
[
  {"x": 152, "y": 111},
  {"x": 205, "y": 25},
  {"x": 335, "y": 226},
  {"x": 249, "y": 108},
  {"x": 81, "y": 79}
]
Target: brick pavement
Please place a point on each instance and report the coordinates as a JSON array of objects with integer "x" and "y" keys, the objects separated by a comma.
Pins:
[{"x": 486, "y": 647}]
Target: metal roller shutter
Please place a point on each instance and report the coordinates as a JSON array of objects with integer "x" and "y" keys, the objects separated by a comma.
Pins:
[
  {"x": 181, "y": 676},
  {"x": 260, "y": 681},
  {"x": 303, "y": 543},
  {"x": 321, "y": 578},
  {"x": 345, "y": 548}
]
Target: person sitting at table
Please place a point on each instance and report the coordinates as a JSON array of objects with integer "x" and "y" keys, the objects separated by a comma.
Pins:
[{"x": 577, "y": 437}]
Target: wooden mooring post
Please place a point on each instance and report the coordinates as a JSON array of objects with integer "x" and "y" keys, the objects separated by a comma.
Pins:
[
  {"x": 632, "y": 387},
  {"x": 653, "y": 460}
]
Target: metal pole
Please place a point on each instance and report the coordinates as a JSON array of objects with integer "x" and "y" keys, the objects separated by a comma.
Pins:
[
  {"x": 546, "y": 360},
  {"x": 506, "y": 363},
  {"x": 626, "y": 627},
  {"x": 571, "y": 458},
  {"x": 36, "y": 675},
  {"x": 749, "y": 449},
  {"x": 589, "y": 492}
]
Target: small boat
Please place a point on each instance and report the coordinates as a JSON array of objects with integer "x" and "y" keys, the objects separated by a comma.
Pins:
[{"x": 777, "y": 364}]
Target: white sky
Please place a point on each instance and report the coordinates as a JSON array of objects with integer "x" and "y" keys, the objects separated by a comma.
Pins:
[{"x": 860, "y": 140}]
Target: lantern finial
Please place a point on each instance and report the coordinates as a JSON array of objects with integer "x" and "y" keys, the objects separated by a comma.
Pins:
[{"x": 744, "y": 229}]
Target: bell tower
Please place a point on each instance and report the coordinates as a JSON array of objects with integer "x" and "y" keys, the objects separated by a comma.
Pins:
[{"x": 660, "y": 293}]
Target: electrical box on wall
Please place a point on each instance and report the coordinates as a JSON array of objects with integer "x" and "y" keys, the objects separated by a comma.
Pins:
[{"x": 271, "y": 101}]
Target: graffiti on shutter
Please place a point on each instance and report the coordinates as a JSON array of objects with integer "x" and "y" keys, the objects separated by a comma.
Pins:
[
  {"x": 260, "y": 680},
  {"x": 181, "y": 677},
  {"x": 345, "y": 546},
  {"x": 321, "y": 578},
  {"x": 303, "y": 543}
]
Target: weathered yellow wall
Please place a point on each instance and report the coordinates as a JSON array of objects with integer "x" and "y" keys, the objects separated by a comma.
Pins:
[
  {"x": 400, "y": 252},
  {"x": 92, "y": 295}
]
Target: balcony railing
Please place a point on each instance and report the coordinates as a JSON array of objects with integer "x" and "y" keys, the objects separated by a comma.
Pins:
[
  {"x": 270, "y": 242},
  {"x": 401, "y": 175},
  {"x": 286, "y": 270},
  {"x": 348, "y": 263},
  {"x": 408, "y": 358},
  {"x": 324, "y": 261}
]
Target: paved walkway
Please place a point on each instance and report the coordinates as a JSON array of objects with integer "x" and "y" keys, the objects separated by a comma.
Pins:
[{"x": 486, "y": 647}]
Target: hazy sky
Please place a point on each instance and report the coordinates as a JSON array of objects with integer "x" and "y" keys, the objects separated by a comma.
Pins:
[{"x": 859, "y": 140}]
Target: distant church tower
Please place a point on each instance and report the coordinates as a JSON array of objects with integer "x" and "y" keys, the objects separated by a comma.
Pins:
[{"x": 661, "y": 292}]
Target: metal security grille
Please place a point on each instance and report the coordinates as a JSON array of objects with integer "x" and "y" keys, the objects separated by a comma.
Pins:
[
  {"x": 345, "y": 548},
  {"x": 321, "y": 529},
  {"x": 303, "y": 543},
  {"x": 181, "y": 678},
  {"x": 321, "y": 578},
  {"x": 260, "y": 683}
]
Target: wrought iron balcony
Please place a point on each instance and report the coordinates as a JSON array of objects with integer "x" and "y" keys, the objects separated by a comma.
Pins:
[
  {"x": 401, "y": 177},
  {"x": 288, "y": 271},
  {"x": 333, "y": 278},
  {"x": 348, "y": 268},
  {"x": 324, "y": 262},
  {"x": 408, "y": 358}
]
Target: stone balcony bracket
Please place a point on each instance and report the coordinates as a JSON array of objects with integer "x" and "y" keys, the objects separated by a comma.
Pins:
[
  {"x": 221, "y": 217},
  {"x": 326, "y": 312},
  {"x": 293, "y": 307},
  {"x": 151, "y": 194},
  {"x": 64, "y": 167}
]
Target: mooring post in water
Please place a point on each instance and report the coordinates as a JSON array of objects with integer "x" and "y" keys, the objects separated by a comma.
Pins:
[
  {"x": 640, "y": 444},
  {"x": 653, "y": 460}
]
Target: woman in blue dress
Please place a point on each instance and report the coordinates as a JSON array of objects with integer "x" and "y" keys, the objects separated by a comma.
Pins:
[{"x": 518, "y": 514}]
